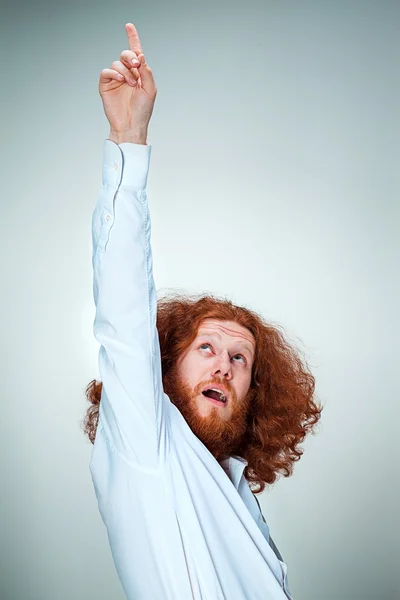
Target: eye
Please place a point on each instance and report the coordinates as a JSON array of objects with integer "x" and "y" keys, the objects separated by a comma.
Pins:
[
  {"x": 205, "y": 344},
  {"x": 240, "y": 356}
]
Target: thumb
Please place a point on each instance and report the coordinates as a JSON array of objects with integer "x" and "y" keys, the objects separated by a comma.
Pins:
[
  {"x": 146, "y": 76},
  {"x": 145, "y": 71}
]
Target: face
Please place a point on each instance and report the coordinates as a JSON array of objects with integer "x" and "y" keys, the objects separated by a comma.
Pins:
[{"x": 220, "y": 359}]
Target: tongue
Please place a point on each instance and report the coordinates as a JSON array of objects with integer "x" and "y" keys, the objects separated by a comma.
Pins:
[{"x": 212, "y": 394}]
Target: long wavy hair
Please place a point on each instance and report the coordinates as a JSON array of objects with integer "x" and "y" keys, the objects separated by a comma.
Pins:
[{"x": 284, "y": 409}]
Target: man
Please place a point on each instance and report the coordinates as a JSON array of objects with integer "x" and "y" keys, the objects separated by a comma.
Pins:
[{"x": 199, "y": 398}]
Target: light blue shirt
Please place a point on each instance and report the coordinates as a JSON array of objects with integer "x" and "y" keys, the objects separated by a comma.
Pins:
[{"x": 180, "y": 524}]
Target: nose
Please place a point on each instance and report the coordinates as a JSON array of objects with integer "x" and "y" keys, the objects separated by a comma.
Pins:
[{"x": 222, "y": 366}]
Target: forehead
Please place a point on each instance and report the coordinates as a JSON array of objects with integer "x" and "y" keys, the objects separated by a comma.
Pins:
[{"x": 227, "y": 329}]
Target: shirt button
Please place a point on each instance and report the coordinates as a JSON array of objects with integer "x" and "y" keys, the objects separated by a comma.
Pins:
[
  {"x": 108, "y": 217},
  {"x": 115, "y": 166}
]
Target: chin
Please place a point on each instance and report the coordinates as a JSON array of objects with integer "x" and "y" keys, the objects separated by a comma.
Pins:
[{"x": 219, "y": 428}]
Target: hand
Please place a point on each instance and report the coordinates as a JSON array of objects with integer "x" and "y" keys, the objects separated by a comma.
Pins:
[{"x": 128, "y": 92}]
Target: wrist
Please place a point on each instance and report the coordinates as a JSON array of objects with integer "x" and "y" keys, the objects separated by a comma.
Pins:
[{"x": 138, "y": 136}]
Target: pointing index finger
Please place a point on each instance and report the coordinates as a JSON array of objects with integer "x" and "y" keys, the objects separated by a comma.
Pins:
[{"x": 133, "y": 37}]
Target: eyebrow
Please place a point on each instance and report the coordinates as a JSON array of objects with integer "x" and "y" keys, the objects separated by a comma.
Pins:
[{"x": 215, "y": 334}]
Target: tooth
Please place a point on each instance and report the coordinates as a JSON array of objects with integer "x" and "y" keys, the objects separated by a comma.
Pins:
[{"x": 221, "y": 394}]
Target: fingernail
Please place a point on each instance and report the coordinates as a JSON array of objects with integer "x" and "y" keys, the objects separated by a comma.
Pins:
[{"x": 135, "y": 62}]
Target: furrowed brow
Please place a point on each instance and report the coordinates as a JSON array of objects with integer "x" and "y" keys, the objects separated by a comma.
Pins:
[
  {"x": 215, "y": 334},
  {"x": 249, "y": 350}
]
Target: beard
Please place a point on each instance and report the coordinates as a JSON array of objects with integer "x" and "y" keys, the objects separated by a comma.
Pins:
[{"x": 220, "y": 436}]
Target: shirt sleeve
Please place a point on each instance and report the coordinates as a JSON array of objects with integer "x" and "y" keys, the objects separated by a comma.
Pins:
[{"x": 133, "y": 408}]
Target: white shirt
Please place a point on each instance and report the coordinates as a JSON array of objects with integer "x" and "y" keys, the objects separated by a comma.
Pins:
[{"x": 181, "y": 525}]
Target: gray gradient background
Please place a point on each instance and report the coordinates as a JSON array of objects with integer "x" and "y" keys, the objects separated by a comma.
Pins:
[{"x": 275, "y": 142}]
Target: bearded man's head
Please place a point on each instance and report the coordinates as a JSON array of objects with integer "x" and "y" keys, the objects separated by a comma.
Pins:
[
  {"x": 210, "y": 384},
  {"x": 241, "y": 387}
]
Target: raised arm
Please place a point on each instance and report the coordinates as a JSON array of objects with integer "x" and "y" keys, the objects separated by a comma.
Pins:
[{"x": 133, "y": 415}]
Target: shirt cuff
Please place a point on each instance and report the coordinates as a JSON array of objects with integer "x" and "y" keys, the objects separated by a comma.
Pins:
[{"x": 126, "y": 164}]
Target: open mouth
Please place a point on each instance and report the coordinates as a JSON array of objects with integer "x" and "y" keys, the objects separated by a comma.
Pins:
[{"x": 216, "y": 396}]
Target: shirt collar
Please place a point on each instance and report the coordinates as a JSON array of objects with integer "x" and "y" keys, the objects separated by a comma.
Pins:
[{"x": 235, "y": 465}]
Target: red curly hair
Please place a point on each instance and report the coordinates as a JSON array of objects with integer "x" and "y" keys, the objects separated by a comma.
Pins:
[{"x": 283, "y": 410}]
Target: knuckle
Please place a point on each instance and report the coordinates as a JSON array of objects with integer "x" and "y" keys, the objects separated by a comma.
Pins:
[
  {"x": 128, "y": 55},
  {"x": 115, "y": 64}
]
